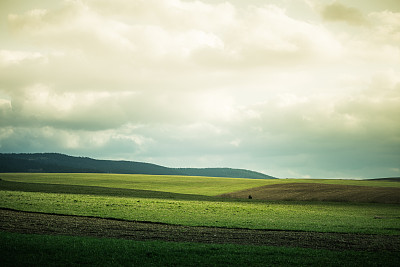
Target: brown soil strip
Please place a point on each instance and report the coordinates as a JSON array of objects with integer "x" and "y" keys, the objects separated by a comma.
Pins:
[
  {"x": 51, "y": 224},
  {"x": 321, "y": 192}
]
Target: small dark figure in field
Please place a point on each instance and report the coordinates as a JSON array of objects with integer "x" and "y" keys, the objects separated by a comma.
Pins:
[{"x": 250, "y": 197}]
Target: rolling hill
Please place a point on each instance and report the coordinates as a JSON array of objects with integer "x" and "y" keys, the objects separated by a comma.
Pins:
[
  {"x": 60, "y": 163},
  {"x": 320, "y": 192}
]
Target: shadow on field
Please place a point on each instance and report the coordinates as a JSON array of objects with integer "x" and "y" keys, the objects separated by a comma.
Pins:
[{"x": 100, "y": 191}]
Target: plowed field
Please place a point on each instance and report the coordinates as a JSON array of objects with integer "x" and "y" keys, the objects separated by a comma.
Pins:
[
  {"x": 52, "y": 224},
  {"x": 321, "y": 192}
]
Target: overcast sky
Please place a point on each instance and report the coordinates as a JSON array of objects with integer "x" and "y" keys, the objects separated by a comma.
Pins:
[{"x": 291, "y": 88}]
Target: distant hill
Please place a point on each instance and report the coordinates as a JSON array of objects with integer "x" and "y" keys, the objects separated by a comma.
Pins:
[
  {"x": 60, "y": 163},
  {"x": 225, "y": 172}
]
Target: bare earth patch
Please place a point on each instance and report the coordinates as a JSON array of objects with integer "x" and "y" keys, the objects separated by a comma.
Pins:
[
  {"x": 52, "y": 224},
  {"x": 321, "y": 192}
]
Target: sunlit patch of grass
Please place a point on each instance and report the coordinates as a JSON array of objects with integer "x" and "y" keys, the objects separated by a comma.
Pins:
[
  {"x": 304, "y": 216},
  {"x": 208, "y": 186}
]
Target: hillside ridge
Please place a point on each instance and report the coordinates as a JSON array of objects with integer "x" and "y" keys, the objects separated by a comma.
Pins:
[{"x": 61, "y": 163}]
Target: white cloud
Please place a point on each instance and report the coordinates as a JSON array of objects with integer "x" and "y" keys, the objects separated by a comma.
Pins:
[
  {"x": 256, "y": 35},
  {"x": 8, "y": 57},
  {"x": 386, "y": 28}
]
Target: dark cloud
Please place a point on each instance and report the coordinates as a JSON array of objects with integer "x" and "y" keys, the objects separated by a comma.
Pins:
[{"x": 339, "y": 12}]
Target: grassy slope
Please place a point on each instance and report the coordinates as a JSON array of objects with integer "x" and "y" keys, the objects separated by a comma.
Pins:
[
  {"x": 321, "y": 192},
  {"x": 180, "y": 207},
  {"x": 28, "y": 250},
  {"x": 207, "y": 186},
  {"x": 305, "y": 216}
]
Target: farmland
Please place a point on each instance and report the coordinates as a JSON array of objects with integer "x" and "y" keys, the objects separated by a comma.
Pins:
[{"x": 195, "y": 202}]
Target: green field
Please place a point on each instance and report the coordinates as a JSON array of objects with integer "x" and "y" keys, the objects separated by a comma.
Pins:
[
  {"x": 171, "y": 199},
  {"x": 43, "y": 250},
  {"x": 175, "y": 184},
  {"x": 193, "y": 201},
  {"x": 207, "y": 186},
  {"x": 311, "y": 216}
]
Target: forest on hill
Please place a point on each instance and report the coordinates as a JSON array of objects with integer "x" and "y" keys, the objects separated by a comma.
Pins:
[{"x": 60, "y": 163}]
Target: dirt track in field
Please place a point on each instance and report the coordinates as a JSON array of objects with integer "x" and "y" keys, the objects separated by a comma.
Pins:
[
  {"x": 321, "y": 192},
  {"x": 51, "y": 224}
]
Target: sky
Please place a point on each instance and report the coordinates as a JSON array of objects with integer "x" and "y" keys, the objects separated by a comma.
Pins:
[{"x": 290, "y": 88}]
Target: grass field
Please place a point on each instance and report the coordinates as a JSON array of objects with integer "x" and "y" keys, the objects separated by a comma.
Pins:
[
  {"x": 175, "y": 184},
  {"x": 310, "y": 216},
  {"x": 43, "y": 250},
  {"x": 208, "y": 186},
  {"x": 192, "y": 201},
  {"x": 174, "y": 200}
]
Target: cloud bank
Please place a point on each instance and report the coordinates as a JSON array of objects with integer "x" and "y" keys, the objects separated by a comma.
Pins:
[{"x": 244, "y": 84}]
